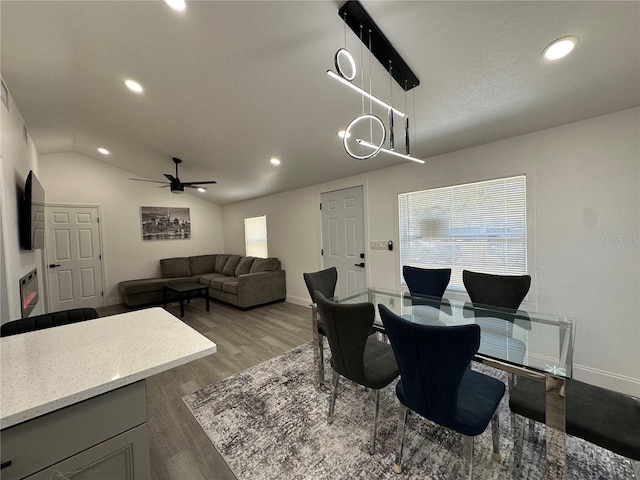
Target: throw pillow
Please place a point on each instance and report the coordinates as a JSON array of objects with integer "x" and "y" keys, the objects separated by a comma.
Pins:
[
  {"x": 175, "y": 267},
  {"x": 244, "y": 266},
  {"x": 221, "y": 260},
  {"x": 264, "y": 265},
  {"x": 230, "y": 267},
  {"x": 202, "y": 264}
]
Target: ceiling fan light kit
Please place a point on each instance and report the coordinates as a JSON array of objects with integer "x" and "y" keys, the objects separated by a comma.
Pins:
[
  {"x": 357, "y": 18},
  {"x": 175, "y": 184}
]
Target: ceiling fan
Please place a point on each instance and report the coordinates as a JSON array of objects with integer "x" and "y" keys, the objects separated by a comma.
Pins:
[{"x": 174, "y": 182}]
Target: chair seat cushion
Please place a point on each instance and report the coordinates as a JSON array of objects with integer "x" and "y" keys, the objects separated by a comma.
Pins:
[
  {"x": 603, "y": 417},
  {"x": 379, "y": 363},
  {"x": 478, "y": 397}
]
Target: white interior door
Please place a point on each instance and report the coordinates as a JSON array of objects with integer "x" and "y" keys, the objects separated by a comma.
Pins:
[
  {"x": 74, "y": 257},
  {"x": 343, "y": 237}
]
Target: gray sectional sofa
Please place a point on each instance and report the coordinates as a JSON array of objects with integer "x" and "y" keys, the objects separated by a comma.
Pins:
[{"x": 241, "y": 281}]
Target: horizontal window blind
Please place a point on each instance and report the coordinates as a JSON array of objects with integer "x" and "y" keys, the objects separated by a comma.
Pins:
[
  {"x": 478, "y": 226},
  {"x": 255, "y": 236}
]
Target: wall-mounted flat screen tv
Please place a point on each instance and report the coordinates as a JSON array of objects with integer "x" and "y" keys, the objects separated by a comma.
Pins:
[{"x": 32, "y": 214}]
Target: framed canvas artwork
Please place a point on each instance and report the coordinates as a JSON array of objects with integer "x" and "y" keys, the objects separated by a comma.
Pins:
[{"x": 165, "y": 223}]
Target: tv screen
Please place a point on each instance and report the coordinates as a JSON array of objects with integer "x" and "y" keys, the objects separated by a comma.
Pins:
[{"x": 32, "y": 214}]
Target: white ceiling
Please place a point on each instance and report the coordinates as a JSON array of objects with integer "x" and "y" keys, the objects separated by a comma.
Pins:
[{"x": 228, "y": 85}]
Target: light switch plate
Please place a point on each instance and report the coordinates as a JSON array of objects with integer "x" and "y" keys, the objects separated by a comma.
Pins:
[{"x": 378, "y": 244}]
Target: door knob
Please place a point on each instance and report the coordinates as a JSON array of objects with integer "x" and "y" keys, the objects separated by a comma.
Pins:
[
  {"x": 359, "y": 264},
  {"x": 54, "y": 265}
]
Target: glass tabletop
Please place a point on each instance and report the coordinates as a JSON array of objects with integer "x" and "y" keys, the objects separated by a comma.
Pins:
[{"x": 532, "y": 341}]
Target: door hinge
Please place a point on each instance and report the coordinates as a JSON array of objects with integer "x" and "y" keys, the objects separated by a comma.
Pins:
[
  {"x": 320, "y": 206},
  {"x": 102, "y": 293},
  {"x": 322, "y": 251},
  {"x": 100, "y": 257},
  {"x": 98, "y": 219}
]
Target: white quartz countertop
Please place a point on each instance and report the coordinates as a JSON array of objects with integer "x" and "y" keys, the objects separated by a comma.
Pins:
[{"x": 49, "y": 369}]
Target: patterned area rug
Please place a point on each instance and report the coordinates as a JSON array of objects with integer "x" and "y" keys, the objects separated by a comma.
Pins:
[{"x": 269, "y": 422}]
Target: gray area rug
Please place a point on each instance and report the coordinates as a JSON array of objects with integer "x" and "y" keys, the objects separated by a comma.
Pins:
[{"x": 268, "y": 422}]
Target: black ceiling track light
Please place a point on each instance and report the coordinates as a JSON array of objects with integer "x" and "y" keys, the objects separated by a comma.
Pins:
[{"x": 357, "y": 18}]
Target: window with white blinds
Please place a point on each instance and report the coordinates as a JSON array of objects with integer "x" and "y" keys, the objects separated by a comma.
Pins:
[
  {"x": 478, "y": 226},
  {"x": 255, "y": 236}
]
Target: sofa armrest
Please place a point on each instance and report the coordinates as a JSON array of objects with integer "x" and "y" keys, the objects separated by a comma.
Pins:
[{"x": 261, "y": 287}]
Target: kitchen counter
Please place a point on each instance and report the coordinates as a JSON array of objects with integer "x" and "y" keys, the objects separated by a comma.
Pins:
[{"x": 46, "y": 370}]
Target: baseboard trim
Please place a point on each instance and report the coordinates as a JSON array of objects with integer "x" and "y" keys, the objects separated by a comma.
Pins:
[
  {"x": 302, "y": 301},
  {"x": 609, "y": 380},
  {"x": 112, "y": 301}
]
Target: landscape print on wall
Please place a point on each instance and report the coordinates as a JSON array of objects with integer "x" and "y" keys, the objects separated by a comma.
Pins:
[{"x": 165, "y": 223}]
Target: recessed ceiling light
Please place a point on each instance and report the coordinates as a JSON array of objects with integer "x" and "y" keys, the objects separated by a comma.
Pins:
[
  {"x": 133, "y": 86},
  {"x": 559, "y": 48},
  {"x": 178, "y": 5},
  {"x": 275, "y": 161},
  {"x": 202, "y": 189},
  {"x": 341, "y": 134},
  {"x": 103, "y": 151}
]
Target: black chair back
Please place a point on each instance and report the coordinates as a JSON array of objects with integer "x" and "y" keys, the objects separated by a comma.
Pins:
[
  {"x": 426, "y": 281},
  {"x": 347, "y": 327},
  {"x": 432, "y": 361},
  {"x": 504, "y": 291},
  {"x": 324, "y": 281},
  {"x": 47, "y": 320}
]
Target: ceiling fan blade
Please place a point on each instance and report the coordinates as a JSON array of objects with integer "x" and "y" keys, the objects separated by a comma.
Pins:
[
  {"x": 191, "y": 186},
  {"x": 144, "y": 180},
  {"x": 198, "y": 183},
  {"x": 171, "y": 177}
]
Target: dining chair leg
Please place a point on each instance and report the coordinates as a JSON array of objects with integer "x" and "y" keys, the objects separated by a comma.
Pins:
[
  {"x": 402, "y": 421},
  {"x": 321, "y": 362},
  {"x": 511, "y": 382},
  {"x": 334, "y": 390},
  {"x": 376, "y": 400},
  {"x": 518, "y": 441},
  {"x": 467, "y": 454},
  {"x": 495, "y": 434}
]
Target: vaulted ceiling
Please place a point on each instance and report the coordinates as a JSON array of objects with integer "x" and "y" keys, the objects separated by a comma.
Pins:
[{"x": 229, "y": 85}]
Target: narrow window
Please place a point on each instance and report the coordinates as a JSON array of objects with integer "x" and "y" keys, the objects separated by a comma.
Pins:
[
  {"x": 478, "y": 226},
  {"x": 255, "y": 236}
]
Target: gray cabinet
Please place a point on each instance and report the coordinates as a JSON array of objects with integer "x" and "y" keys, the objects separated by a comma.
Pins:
[{"x": 103, "y": 438}]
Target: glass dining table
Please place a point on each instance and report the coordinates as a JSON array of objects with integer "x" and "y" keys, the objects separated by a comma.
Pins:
[{"x": 522, "y": 343}]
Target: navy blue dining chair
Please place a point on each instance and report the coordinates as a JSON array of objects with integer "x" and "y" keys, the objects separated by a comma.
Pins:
[
  {"x": 436, "y": 383},
  {"x": 426, "y": 281}
]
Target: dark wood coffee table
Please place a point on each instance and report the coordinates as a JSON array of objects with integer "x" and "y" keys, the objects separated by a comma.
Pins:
[{"x": 184, "y": 290}]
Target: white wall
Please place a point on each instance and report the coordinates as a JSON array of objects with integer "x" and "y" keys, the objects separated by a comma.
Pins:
[
  {"x": 584, "y": 227},
  {"x": 17, "y": 157},
  {"x": 73, "y": 178}
]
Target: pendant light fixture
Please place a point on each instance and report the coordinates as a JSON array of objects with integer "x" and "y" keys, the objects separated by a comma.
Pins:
[{"x": 359, "y": 21}]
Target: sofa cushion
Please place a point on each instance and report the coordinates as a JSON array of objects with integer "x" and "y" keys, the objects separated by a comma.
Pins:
[
  {"x": 175, "y": 267},
  {"x": 264, "y": 265},
  {"x": 217, "y": 283},
  {"x": 244, "y": 266},
  {"x": 146, "y": 285},
  {"x": 202, "y": 264},
  {"x": 221, "y": 260},
  {"x": 206, "y": 278},
  {"x": 230, "y": 267},
  {"x": 230, "y": 287}
]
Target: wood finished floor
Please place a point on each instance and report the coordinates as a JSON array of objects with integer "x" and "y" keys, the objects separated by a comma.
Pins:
[{"x": 178, "y": 448}]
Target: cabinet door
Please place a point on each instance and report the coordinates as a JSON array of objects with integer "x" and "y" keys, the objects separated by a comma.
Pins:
[{"x": 124, "y": 457}]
